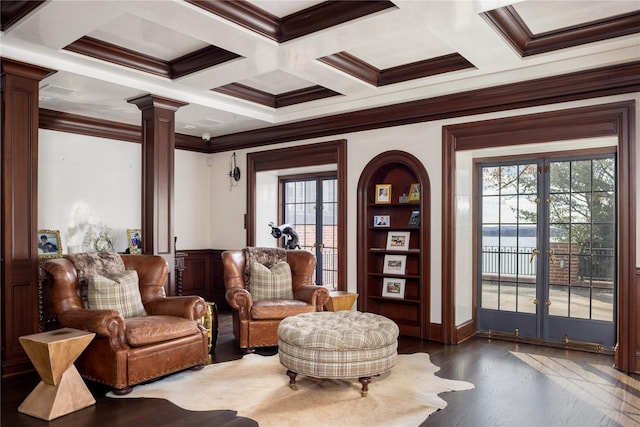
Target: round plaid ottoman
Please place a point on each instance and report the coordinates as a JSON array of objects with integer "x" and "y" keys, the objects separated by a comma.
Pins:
[{"x": 338, "y": 345}]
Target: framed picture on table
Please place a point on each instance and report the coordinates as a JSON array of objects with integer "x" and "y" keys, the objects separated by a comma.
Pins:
[
  {"x": 134, "y": 237},
  {"x": 49, "y": 245}
]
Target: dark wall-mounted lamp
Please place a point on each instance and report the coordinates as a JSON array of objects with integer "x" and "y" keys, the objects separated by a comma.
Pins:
[{"x": 234, "y": 172}]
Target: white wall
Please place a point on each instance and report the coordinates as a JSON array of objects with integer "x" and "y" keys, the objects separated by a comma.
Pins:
[
  {"x": 100, "y": 179},
  {"x": 424, "y": 141},
  {"x": 85, "y": 180}
]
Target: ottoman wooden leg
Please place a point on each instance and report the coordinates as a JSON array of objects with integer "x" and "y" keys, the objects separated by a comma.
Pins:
[
  {"x": 292, "y": 380},
  {"x": 365, "y": 385}
]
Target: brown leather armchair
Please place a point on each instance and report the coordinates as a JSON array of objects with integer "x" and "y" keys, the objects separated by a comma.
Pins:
[
  {"x": 255, "y": 323},
  {"x": 169, "y": 339}
]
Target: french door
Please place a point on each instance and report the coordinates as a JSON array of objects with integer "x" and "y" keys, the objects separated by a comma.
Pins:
[
  {"x": 310, "y": 204},
  {"x": 547, "y": 248}
]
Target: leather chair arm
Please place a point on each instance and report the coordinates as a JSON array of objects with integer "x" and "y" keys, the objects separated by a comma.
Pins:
[
  {"x": 191, "y": 307},
  {"x": 240, "y": 299},
  {"x": 312, "y": 294},
  {"x": 105, "y": 323}
]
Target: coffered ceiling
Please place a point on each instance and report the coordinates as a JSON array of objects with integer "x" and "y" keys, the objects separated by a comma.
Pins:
[{"x": 244, "y": 65}]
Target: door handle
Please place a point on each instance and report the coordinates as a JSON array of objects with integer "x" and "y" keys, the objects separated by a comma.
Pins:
[
  {"x": 534, "y": 253},
  {"x": 552, "y": 257}
]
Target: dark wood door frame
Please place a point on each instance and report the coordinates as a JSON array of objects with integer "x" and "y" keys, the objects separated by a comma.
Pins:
[
  {"x": 331, "y": 152},
  {"x": 616, "y": 119}
]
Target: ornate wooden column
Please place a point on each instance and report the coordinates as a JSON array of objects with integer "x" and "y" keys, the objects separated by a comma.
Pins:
[
  {"x": 19, "y": 268},
  {"x": 158, "y": 147}
]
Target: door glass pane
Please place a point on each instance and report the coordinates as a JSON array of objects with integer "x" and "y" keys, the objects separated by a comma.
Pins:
[
  {"x": 584, "y": 247},
  {"x": 559, "y": 298},
  {"x": 509, "y": 236},
  {"x": 310, "y": 206},
  {"x": 580, "y": 307}
]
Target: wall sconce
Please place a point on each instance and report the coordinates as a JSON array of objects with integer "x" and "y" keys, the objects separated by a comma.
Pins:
[{"x": 234, "y": 170}]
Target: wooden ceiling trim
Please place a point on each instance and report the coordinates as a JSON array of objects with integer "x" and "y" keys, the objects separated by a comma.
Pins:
[
  {"x": 306, "y": 94},
  {"x": 429, "y": 67},
  {"x": 298, "y": 96},
  {"x": 244, "y": 14},
  {"x": 247, "y": 93},
  {"x": 83, "y": 125},
  {"x": 118, "y": 55},
  {"x": 194, "y": 61},
  {"x": 326, "y": 15},
  {"x": 304, "y": 22},
  {"x": 199, "y": 60},
  {"x": 612, "y": 80},
  {"x": 353, "y": 66},
  {"x": 12, "y": 11},
  {"x": 514, "y": 29}
]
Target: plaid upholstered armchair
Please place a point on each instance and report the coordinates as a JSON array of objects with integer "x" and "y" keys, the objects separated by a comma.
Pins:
[
  {"x": 265, "y": 285},
  {"x": 141, "y": 334}
]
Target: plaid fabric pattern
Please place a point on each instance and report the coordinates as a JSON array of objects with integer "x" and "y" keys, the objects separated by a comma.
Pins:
[
  {"x": 120, "y": 293},
  {"x": 345, "y": 344},
  {"x": 341, "y": 369},
  {"x": 342, "y": 330},
  {"x": 89, "y": 264},
  {"x": 265, "y": 256},
  {"x": 274, "y": 283}
]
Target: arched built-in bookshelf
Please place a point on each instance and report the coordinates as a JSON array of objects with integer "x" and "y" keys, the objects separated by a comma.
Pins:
[{"x": 394, "y": 242}]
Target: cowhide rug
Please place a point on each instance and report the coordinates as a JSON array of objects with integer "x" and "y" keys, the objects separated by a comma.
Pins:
[{"x": 257, "y": 387}]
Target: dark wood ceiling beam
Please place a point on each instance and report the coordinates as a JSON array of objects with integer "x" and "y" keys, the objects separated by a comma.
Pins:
[
  {"x": 199, "y": 60},
  {"x": 513, "y": 28},
  {"x": 353, "y": 66},
  {"x": 12, "y": 11},
  {"x": 326, "y": 15},
  {"x": 426, "y": 68},
  {"x": 613, "y": 80},
  {"x": 298, "y": 96},
  {"x": 118, "y": 55},
  {"x": 83, "y": 125},
  {"x": 247, "y": 93},
  {"x": 619, "y": 79},
  {"x": 307, "y": 94},
  {"x": 304, "y": 22},
  {"x": 244, "y": 14}
]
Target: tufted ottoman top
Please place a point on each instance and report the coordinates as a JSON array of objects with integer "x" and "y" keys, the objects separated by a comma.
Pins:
[{"x": 342, "y": 330}]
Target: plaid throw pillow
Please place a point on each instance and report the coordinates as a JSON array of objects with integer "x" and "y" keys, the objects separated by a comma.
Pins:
[
  {"x": 120, "y": 292},
  {"x": 89, "y": 264},
  {"x": 271, "y": 284}
]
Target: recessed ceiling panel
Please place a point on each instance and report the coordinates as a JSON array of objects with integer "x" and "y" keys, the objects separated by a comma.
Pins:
[
  {"x": 401, "y": 49},
  {"x": 276, "y": 82},
  {"x": 284, "y": 8},
  {"x": 139, "y": 35},
  {"x": 543, "y": 16}
]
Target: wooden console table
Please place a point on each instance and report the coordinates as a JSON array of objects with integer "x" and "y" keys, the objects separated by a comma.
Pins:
[{"x": 61, "y": 390}]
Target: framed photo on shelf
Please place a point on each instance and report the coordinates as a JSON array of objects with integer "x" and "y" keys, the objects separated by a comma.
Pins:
[
  {"x": 381, "y": 220},
  {"x": 134, "y": 237},
  {"x": 395, "y": 264},
  {"x": 393, "y": 287},
  {"x": 49, "y": 244},
  {"x": 398, "y": 240},
  {"x": 383, "y": 193},
  {"x": 414, "y": 193},
  {"x": 414, "y": 218}
]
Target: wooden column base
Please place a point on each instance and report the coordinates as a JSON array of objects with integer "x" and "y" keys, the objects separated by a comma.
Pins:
[{"x": 52, "y": 401}]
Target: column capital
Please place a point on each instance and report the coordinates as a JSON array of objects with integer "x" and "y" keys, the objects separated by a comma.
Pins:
[{"x": 148, "y": 101}]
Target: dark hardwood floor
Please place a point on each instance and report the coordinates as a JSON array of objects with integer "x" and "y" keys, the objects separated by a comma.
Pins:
[{"x": 515, "y": 385}]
